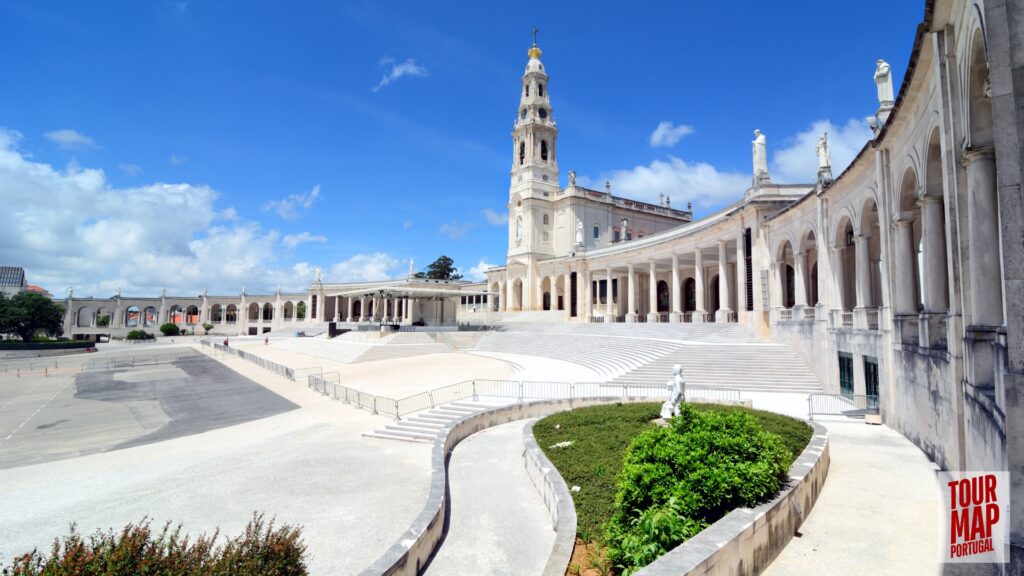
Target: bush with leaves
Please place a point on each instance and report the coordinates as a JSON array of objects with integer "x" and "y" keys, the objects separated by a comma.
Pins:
[
  {"x": 262, "y": 550},
  {"x": 139, "y": 335},
  {"x": 678, "y": 480},
  {"x": 170, "y": 329},
  {"x": 207, "y": 327}
]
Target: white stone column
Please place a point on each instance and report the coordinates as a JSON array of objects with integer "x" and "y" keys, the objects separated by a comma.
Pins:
[
  {"x": 567, "y": 290},
  {"x": 741, "y": 277},
  {"x": 362, "y": 308},
  {"x": 677, "y": 307},
  {"x": 698, "y": 277},
  {"x": 934, "y": 273},
  {"x": 722, "y": 315},
  {"x": 904, "y": 300},
  {"x": 608, "y": 296},
  {"x": 652, "y": 293},
  {"x": 839, "y": 273},
  {"x": 350, "y": 310},
  {"x": 337, "y": 308},
  {"x": 800, "y": 267},
  {"x": 863, "y": 271},
  {"x": 631, "y": 304},
  {"x": 983, "y": 231},
  {"x": 588, "y": 295}
]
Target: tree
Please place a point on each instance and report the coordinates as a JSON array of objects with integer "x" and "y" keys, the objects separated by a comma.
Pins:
[
  {"x": 300, "y": 310},
  {"x": 441, "y": 269},
  {"x": 26, "y": 313},
  {"x": 207, "y": 327},
  {"x": 103, "y": 320}
]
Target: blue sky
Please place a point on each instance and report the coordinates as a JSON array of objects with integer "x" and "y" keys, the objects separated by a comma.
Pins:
[{"x": 199, "y": 144}]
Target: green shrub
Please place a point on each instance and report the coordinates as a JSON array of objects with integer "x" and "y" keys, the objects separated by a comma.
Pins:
[
  {"x": 170, "y": 329},
  {"x": 207, "y": 327},
  {"x": 262, "y": 550},
  {"x": 139, "y": 335},
  {"x": 676, "y": 481}
]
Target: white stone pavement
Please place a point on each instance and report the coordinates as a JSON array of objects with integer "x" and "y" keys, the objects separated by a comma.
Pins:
[{"x": 499, "y": 524}]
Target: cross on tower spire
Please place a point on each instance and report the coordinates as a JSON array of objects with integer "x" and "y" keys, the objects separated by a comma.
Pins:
[{"x": 535, "y": 30}]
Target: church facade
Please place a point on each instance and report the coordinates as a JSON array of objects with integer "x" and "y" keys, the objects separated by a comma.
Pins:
[{"x": 902, "y": 277}]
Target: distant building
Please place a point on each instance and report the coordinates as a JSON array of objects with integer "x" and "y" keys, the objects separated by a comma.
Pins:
[
  {"x": 38, "y": 290},
  {"x": 12, "y": 280}
]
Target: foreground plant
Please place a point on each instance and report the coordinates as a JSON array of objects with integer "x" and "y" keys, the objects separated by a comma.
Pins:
[
  {"x": 676, "y": 481},
  {"x": 262, "y": 550}
]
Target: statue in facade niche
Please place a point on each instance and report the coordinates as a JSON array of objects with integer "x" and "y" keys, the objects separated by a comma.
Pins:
[
  {"x": 676, "y": 393},
  {"x": 319, "y": 276},
  {"x": 824, "y": 161},
  {"x": 572, "y": 178},
  {"x": 760, "y": 154},
  {"x": 883, "y": 80},
  {"x": 579, "y": 232}
]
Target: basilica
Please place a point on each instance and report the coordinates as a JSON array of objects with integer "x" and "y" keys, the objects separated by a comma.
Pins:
[{"x": 900, "y": 277}]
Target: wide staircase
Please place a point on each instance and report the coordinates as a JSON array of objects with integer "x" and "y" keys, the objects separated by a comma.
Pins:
[
  {"x": 608, "y": 356},
  {"x": 742, "y": 366}
]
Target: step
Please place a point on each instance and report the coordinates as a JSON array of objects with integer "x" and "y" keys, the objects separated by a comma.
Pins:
[
  {"x": 388, "y": 436},
  {"x": 399, "y": 431},
  {"x": 432, "y": 427}
]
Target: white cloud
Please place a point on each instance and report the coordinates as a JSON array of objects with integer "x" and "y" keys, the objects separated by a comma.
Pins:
[
  {"x": 287, "y": 208},
  {"x": 697, "y": 182},
  {"x": 667, "y": 134},
  {"x": 178, "y": 160},
  {"x": 797, "y": 161},
  {"x": 396, "y": 70},
  {"x": 130, "y": 169},
  {"x": 70, "y": 139},
  {"x": 495, "y": 218},
  {"x": 478, "y": 272},
  {"x": 71, "y": 227},
  {"x": 290, "y": 241},
  {"x": 454, "y": 230},
  {"x": 407, "y": 224},
  {"x": 363, "y": 267}
]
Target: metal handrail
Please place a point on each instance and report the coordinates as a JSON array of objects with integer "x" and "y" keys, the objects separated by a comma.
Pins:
[{"x": 849, "y": 405}]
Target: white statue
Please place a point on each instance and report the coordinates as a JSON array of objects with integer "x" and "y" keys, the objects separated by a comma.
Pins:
[
  {"x": 572, "y": 178},
  {"x": 411, "y": 273},
  {"x": 206, "y": 293},
  {"x": 579, "y": 232},
  {"x": 883, "y": 80},
  {"x": 760, "y": 155},
  {"x": 118, "y": 291},
  {"x": 519, "y": 228},
  {"x": 163, "y": 292},
  {"x": 822, "y": 149},
  {"x": 676, "y": 393},
  {"x": 319, "y": 277},
  {"x": 71, "y": 292}
]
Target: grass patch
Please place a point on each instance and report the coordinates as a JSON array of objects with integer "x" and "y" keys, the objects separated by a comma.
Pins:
[{"x": 600, "y": 436}]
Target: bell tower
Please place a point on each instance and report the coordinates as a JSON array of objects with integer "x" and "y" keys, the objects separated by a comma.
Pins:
[{"x": 534, "y": 183}]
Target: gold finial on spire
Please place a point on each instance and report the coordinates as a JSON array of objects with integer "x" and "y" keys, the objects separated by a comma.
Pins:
[{"x": 534, "y": 50}]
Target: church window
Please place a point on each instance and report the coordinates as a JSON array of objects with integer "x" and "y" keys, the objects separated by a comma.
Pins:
[
  {"x": 543, "y": 113},
  {"x": 523, "y": 114},
  {"x": 522, "y": 152},
  {"x": 545, "y": 219},
  {"x": 544, "y": 150},
  {"x": 527, "y": 90},
  {"x": 597, "y": 231},
  {"x": 616, "y": 235},
  {"x": 540, "y": 90}
]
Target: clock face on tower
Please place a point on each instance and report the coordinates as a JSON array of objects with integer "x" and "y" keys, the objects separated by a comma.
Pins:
[{"x": 543, "y": 113}]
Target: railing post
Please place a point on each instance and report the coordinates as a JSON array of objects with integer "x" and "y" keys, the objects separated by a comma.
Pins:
[
  {"x": 397, "y": 416},
  {"x": 810, "y": 411},
  {"x": 430, "y": 395},
  {"x": 476, "y": 398},
  {"x": 520, "y": 392}
]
